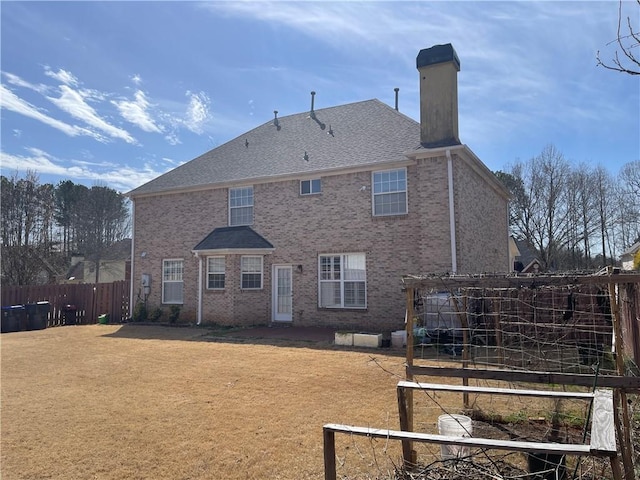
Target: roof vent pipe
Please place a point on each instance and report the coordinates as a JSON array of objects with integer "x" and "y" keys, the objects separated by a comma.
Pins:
[
  {"x": 276, "y": 122},
  {"x": 396, "y": 90},
  {"x": 313, "y": 94}
]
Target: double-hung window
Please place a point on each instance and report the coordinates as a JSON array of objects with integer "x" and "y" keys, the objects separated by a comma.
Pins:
[
  {"x": 172, "y": 283},
  {"x": 215, "y": 273},
  {"x": 390, "y": 192},
  {"x": 310, "y": 187},
  {"x": 342, "y": 281},
  {"x": 241, "y": 206},
  {"x": 251, "y": 272}
]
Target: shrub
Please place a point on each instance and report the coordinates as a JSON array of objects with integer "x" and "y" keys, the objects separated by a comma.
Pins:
[
  {"x": 174, "y": 313},
  {"x": 155, "y": 315},
  {"x": 140, "y": 312}
]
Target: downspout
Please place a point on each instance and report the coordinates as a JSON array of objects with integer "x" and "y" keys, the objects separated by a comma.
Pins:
[
  {"x": 452, "y": 214},
  {"x": 133, "y": 258},
  {"x": 199, "y": 314}
]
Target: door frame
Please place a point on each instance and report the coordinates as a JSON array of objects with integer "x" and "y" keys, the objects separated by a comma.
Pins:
[{"x": 274, "y": 292}]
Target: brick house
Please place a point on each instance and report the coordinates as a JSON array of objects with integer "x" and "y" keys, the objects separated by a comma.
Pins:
[{"x": 312, "y": 218}]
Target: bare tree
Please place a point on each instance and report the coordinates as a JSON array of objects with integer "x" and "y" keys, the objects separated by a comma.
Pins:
[
  {"x": 32, "y": 214},
  {"x": 581, "y": 217},
  {"x": 628, "y": 198},
  {"x": 549, "y": 175},
  {"x": 627, "y": 39},
  {"x": 519, "y": 201},
  {"x": 27, "y": 226}
]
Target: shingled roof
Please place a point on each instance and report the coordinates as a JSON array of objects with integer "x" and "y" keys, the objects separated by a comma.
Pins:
[
  {"x": 233, "y": 238},
  {"x": 356, "y": 134}
]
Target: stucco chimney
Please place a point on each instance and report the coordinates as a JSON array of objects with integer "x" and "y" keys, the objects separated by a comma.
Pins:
[{"x": 438, "y": 67}]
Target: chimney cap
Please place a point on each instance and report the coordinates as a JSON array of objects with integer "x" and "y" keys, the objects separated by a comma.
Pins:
[{"x": 437, "y": 54}]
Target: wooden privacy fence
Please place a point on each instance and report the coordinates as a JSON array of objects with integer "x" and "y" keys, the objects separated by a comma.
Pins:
[{"x": 77, "y": 304}]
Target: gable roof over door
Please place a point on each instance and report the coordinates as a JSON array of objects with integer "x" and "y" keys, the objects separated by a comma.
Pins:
[
  {"x": 241, "y": 239},
  {"x": 354, "y": 135}
]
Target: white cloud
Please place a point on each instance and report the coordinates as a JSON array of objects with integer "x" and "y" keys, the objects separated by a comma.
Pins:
[
  {"x": 11, "y": 101},
  {"x": 136, "y": 79},
  {"x": 172, "y": 138},
  {"x": 197, "y": 111},
  {"x": 19, "y": 82},
  {"x": 17, "y": 132},
  {"x": 61, "y": 75},
  {"x": 73, "y": 102},
  {"x": 37, "y": 161},
  {"x": 136, "y": 112},
  {"x": 120, "y": 177}
]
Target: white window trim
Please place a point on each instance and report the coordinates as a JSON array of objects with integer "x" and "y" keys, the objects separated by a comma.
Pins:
[
  {"x": 373, "y": 194},
  {"x": 311, "y": 192},
  {"x": 342, "y": 281},
  {"x": 224, "y": 272},
  {"x": 230, "y": 208},
  {"x": 261, "y": 272},
  {"x": 164, "y": 302}
]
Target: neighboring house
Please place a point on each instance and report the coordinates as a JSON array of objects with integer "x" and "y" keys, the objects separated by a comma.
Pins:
[
  {"x": 115, "y": 264},
  {"x": 76, "y": 272},
  {"x": 526, "y": 260},
  {"x": 514, "y": 255},
  {"x": 312, "y": 218},
  {"x": 627, "y": 257}
]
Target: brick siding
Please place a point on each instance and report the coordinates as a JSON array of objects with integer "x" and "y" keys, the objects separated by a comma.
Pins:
[{"x": 339, "y": 220}]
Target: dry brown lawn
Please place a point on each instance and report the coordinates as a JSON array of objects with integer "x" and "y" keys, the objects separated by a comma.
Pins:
[
  {"x": 153, "y": 402},
  {"x": 146, "y": 402}
]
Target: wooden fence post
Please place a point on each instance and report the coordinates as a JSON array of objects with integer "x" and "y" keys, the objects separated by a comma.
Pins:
[
  {"x": 620, "y": 397},
  {"x": 407, "y": 447},
  {"x": 329, "y": 438}
]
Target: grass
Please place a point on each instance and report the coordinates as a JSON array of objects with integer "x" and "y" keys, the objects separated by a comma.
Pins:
[{"x": 149, "y": 402}]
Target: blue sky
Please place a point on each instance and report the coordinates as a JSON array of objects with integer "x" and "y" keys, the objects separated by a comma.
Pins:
[{"x": 117, "y": 93}]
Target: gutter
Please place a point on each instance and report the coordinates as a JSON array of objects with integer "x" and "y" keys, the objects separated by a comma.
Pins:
[
  {"x": 199, "y": 312},
  {"x": 452, "y": 215},
  {"x": 133, "y": 259}
]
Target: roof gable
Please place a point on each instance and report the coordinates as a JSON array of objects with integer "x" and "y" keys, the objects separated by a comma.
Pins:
[
  {"x": 233, "y": 238},
  {"x": 631, "y": 251},
  {"x": 355, "y": 134}
]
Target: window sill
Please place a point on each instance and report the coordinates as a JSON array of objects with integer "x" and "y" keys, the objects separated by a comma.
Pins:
[
  {"x": 344, "y": 309},
  {"x": 390, "y": 216}
]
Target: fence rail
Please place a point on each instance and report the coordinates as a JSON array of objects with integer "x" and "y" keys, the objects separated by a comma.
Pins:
[{"x": 80, "y": 304}]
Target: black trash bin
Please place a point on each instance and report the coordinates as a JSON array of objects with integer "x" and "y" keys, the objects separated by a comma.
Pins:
[
  {"x": 14, "y": 318},
  {"x": 69, "y": 314},
  {"x": 37, "y": 315}
]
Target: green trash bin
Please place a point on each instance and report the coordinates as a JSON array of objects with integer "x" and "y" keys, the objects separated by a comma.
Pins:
[{"x": 103, "y": 319}]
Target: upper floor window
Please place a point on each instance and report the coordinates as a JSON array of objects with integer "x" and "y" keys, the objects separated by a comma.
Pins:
[
  {"x": 390, "y": 192},
  {"x": 342, "y": 281},
  {"x": 251, "y": 272},
  {"x": 310, "y": 187},
  {"x": 172, "y": 283},
  {"x": 215, "y": 273},
  {"x": 241, "y": 206}
]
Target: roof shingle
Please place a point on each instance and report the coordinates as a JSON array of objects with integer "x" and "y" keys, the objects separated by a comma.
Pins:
[
  {"x": 355, "y": 134},
  {"x": 227, "y": 238}
]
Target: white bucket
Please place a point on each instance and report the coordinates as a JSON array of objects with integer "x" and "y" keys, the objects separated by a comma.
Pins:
[
  {"x": 453, "y": 425},
  {"x": 398, "y": 338}
]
